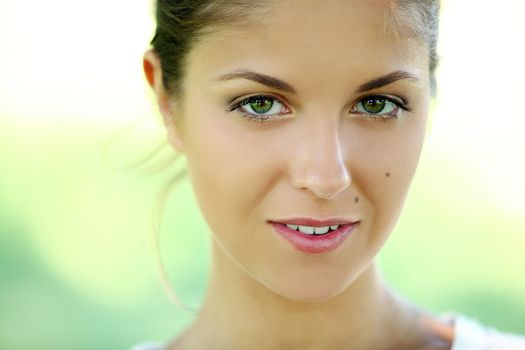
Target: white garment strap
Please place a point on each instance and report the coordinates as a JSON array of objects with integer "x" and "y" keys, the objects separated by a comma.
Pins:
[
  {"x": 148, "y": 346},
  {"x": 471, "y": 335}
]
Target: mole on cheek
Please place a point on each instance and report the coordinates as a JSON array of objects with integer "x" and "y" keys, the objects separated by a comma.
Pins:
[
  {"x": 387, "y": 174},
  {"x": 356, "y": 199}
]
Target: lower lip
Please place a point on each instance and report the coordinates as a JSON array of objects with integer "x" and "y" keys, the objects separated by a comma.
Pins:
[{"x": 315, "y": 244}]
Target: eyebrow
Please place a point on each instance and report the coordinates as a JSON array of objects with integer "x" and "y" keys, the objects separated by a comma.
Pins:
[
  {"x": 259, "y": 78},
  {"x": 284, "y": 86},
  {"x": 386, "y": 80}
]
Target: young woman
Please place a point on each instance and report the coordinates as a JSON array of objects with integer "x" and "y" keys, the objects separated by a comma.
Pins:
[{"x": 302, "y": 123}]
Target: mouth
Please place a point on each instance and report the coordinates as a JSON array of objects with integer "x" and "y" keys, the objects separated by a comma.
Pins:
[
  {"x": 313, "y": 230},
  {"x": 314, "y": 227},
  {"x": 314, "y": 236}
]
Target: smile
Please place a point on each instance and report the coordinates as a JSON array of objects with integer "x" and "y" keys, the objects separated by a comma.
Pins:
[
  {"x": 314, "y": 239},
  {"x": 312, "y": 230}
]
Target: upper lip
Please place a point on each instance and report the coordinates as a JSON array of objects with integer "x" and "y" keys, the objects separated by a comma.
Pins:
[{"x": 314, "y": 222}]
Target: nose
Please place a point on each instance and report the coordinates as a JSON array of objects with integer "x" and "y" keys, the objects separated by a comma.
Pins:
[{"x": 319, "y": 164}]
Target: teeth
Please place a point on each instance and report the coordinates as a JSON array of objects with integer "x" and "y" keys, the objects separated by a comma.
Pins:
[
  {"x": 321, "y": 230},
  {"x": 307, "y": 229},
  {"x": 310, "y": 230}
]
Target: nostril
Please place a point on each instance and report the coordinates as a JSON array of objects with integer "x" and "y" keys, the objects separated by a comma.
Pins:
[
  {"x": 330, "y": 189},
  {"x": 321, "y": 167},
  {"x": 324, "y": 183}
]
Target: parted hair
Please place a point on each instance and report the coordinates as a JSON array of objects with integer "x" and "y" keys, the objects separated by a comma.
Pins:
[{"x": 180, "y": 24}]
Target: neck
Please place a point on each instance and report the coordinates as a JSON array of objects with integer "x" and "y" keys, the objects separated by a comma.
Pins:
[{"x": 241, "y": 313}]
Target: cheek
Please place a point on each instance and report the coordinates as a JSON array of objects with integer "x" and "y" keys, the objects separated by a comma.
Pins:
[
  {"x": 386, "y": 173},
  {"x": 229, "y": 170}
]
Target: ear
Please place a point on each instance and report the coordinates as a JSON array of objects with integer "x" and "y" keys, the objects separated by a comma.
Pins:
[{"x": 153, "y": 72}]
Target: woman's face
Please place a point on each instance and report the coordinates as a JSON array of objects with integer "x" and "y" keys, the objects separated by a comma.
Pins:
[{"x": 277, "y": 123}]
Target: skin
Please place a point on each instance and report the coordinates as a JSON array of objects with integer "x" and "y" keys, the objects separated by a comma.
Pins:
[{"x": 319, "y": 159}]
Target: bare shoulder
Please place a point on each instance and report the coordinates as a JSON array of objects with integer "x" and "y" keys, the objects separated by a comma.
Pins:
[
  {"x": 468, "y": 334},
  {"x": 435, "y": 334},
  {"x": 437, "y": 346}
]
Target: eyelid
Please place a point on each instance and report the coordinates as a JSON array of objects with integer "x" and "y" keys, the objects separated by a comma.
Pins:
[
  {"x": 393, "y": 98},
  {"x": 399, "y": 101},
  {"x": 238, "y": 102}
]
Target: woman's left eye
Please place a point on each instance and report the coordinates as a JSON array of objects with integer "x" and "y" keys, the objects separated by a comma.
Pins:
[
  {"x": 381, "y": 106},
  {"x": 260, "y": 107}
]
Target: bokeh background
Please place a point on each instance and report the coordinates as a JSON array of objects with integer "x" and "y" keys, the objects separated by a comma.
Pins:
[{"x": 76, "y": 264}]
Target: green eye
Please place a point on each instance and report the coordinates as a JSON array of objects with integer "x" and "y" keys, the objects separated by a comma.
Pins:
[
  {"x": 374, "y": 105},
  {"x": 378, "y": 105},
  {"x": 261, "y": 104}
]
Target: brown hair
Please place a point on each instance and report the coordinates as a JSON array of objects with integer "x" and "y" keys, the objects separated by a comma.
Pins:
[
  {"x": 420, "y": 19},
  {"x": 181, "y": 23}
]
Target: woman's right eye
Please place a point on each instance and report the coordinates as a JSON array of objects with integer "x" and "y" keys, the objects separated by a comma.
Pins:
[{"x": 261, "y": 107}]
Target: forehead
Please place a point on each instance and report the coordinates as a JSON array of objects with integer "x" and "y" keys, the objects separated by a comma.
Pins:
[{"x": 316, "y": 38}]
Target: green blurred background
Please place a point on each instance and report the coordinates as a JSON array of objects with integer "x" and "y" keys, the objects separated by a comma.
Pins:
[{"x": 76, "y": 264}]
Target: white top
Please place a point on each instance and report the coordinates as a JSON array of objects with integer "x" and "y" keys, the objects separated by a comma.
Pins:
[
  {"x": 468, "y": 335},
  {"x": 471, "y": 335}
]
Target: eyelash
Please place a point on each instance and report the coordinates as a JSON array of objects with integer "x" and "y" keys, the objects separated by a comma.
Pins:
[
  {"x": 398, "y": 102},
  {"x": 255, "y": 117}
]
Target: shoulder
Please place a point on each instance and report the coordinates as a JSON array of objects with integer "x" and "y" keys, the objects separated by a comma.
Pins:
[{"x": 469, "y": 334}]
